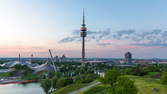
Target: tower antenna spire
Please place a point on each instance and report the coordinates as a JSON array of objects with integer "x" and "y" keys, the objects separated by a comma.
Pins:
[{"x": 83, "y": 17}]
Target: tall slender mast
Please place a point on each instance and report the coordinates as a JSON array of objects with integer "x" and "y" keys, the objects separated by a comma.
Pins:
[
  {"x": 31, "y": 58},
  {"x": 53, "y": 63},
  {"x": 83, "y": 35},
  {"x": 19, "y": 57}
]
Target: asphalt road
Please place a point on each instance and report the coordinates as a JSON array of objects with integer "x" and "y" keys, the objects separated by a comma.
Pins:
[{"x": 84, "y": 88}]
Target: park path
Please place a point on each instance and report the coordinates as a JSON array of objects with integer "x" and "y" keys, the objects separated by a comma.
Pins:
[{"x": 84, "y": 88}]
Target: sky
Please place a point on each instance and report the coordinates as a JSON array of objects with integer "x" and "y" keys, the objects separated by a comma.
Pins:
[{"x": 114, "y": 27}]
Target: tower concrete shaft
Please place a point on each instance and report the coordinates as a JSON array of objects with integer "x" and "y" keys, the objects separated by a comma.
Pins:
[
  {"x": 83, "y": 35},
  {"x": 83, "y": 49}
]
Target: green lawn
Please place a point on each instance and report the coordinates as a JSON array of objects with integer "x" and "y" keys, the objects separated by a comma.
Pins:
[
  {"x": 69, "y": 88},
  {"x": 145, "y": 85},
  {"x": 152, "y": 74},
  {"x": 99, "y": 89},
  {"x": 5, "y": 74},
  {"x": 72, "y": 87}
]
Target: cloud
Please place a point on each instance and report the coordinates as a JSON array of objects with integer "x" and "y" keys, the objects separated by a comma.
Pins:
[
  {"x": 150, "y": 44},
  {"x": 123, "y": 34},
  {"x": 137, "y": 38},
  {"x": 104, "y": 44},
  {"x": 91, "y": 36},
  {"x": 153, "y": 38},
  {"x": 70, "y": 39}
]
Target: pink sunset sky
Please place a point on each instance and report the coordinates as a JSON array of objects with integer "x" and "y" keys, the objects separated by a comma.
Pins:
[{"x": 114, "y": 27}]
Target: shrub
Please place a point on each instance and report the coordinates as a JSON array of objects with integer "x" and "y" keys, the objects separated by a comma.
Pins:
[
  {"x": 85, "y": 78},
  {"x": 123, "y": 85},
  {"x": 111, "y": 76},
  {"x": 164, "y": 77},
  {"x": 46, "y": 85},
  {"x": 64, "y": 81}
]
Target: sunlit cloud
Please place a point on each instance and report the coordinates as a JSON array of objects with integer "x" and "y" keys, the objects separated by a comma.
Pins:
[{"x": 108, "y": 37}]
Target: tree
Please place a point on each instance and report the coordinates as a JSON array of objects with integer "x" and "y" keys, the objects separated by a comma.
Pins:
[
  {"x": 54, "y": 83},
  {"x": 139, "y": 71},
  {"x": 85, "y": 78},
  {"x": 46, "y": 85},
  {"x": 123, "y": 85},
  {"x": 111, "y": 77},
  {"x": 51, "y": 74},
  {"x": 164, "y": 77},
  {"x": 64, "y": 81},
  {"x": 28, "y": 75},
  {"x": 58, "y": 75}
]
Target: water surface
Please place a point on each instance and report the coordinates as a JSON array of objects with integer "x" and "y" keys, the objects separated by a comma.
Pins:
[{"x": 32, "y": 88}]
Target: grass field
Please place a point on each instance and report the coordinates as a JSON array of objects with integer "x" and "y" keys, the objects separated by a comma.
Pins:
[
  {"x": 72, "y": 87},
  {"x": 152, "y": 74},
  {"x": 69, "y": 88},
  {"x": 99, "y": 89},
  {"x": 145, "y": 85}
]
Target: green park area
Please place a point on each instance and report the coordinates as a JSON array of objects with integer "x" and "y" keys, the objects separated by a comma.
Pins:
[
  {"x": 137, "y": 80},
  {"x": 69, "y": 88},
  {"x": 99, "y": 89},
  {"x": 72, "y": 87},
  {"x": 144, "y": 85},
  {"x": 83, "y": 79}
]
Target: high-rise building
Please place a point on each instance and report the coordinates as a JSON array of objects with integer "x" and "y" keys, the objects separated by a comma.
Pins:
[
  {"x": 56, "y": 59},
  {"x": 83, "y": 35},
  {"x": 63, "y": 58},
  {"x": 128, "y": 57}
]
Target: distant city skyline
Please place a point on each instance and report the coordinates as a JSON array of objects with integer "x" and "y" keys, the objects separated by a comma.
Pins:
[{"x": 114, "y": 28}]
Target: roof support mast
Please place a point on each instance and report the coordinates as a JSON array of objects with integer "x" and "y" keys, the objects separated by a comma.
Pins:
[{"x": 52, "y": 61}]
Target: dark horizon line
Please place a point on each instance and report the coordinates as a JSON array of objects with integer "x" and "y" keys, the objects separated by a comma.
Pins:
[{"x": 80, "y": 58}]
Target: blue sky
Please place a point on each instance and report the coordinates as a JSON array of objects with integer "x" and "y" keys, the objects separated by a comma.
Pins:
[{"x": 114, "y": 27}]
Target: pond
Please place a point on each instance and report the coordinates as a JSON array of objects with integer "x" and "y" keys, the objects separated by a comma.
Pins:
[{"x": 32, "y": 88}]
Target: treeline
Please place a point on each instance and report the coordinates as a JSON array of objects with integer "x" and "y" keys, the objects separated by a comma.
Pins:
[
  {"x": 57, "y": 81},
  {"x": 117, "y": 83}
]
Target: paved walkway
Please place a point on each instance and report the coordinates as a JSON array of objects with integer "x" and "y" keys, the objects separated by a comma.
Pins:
[{"x": 84, "y": 88}]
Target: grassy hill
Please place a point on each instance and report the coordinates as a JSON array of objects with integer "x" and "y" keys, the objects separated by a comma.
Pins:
[
  {"x": 99, "y": 89},
  {"x": 145, "y": 85},
  {"x": 69, "y": 88},
  {"x": 72, "y": 87}
]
